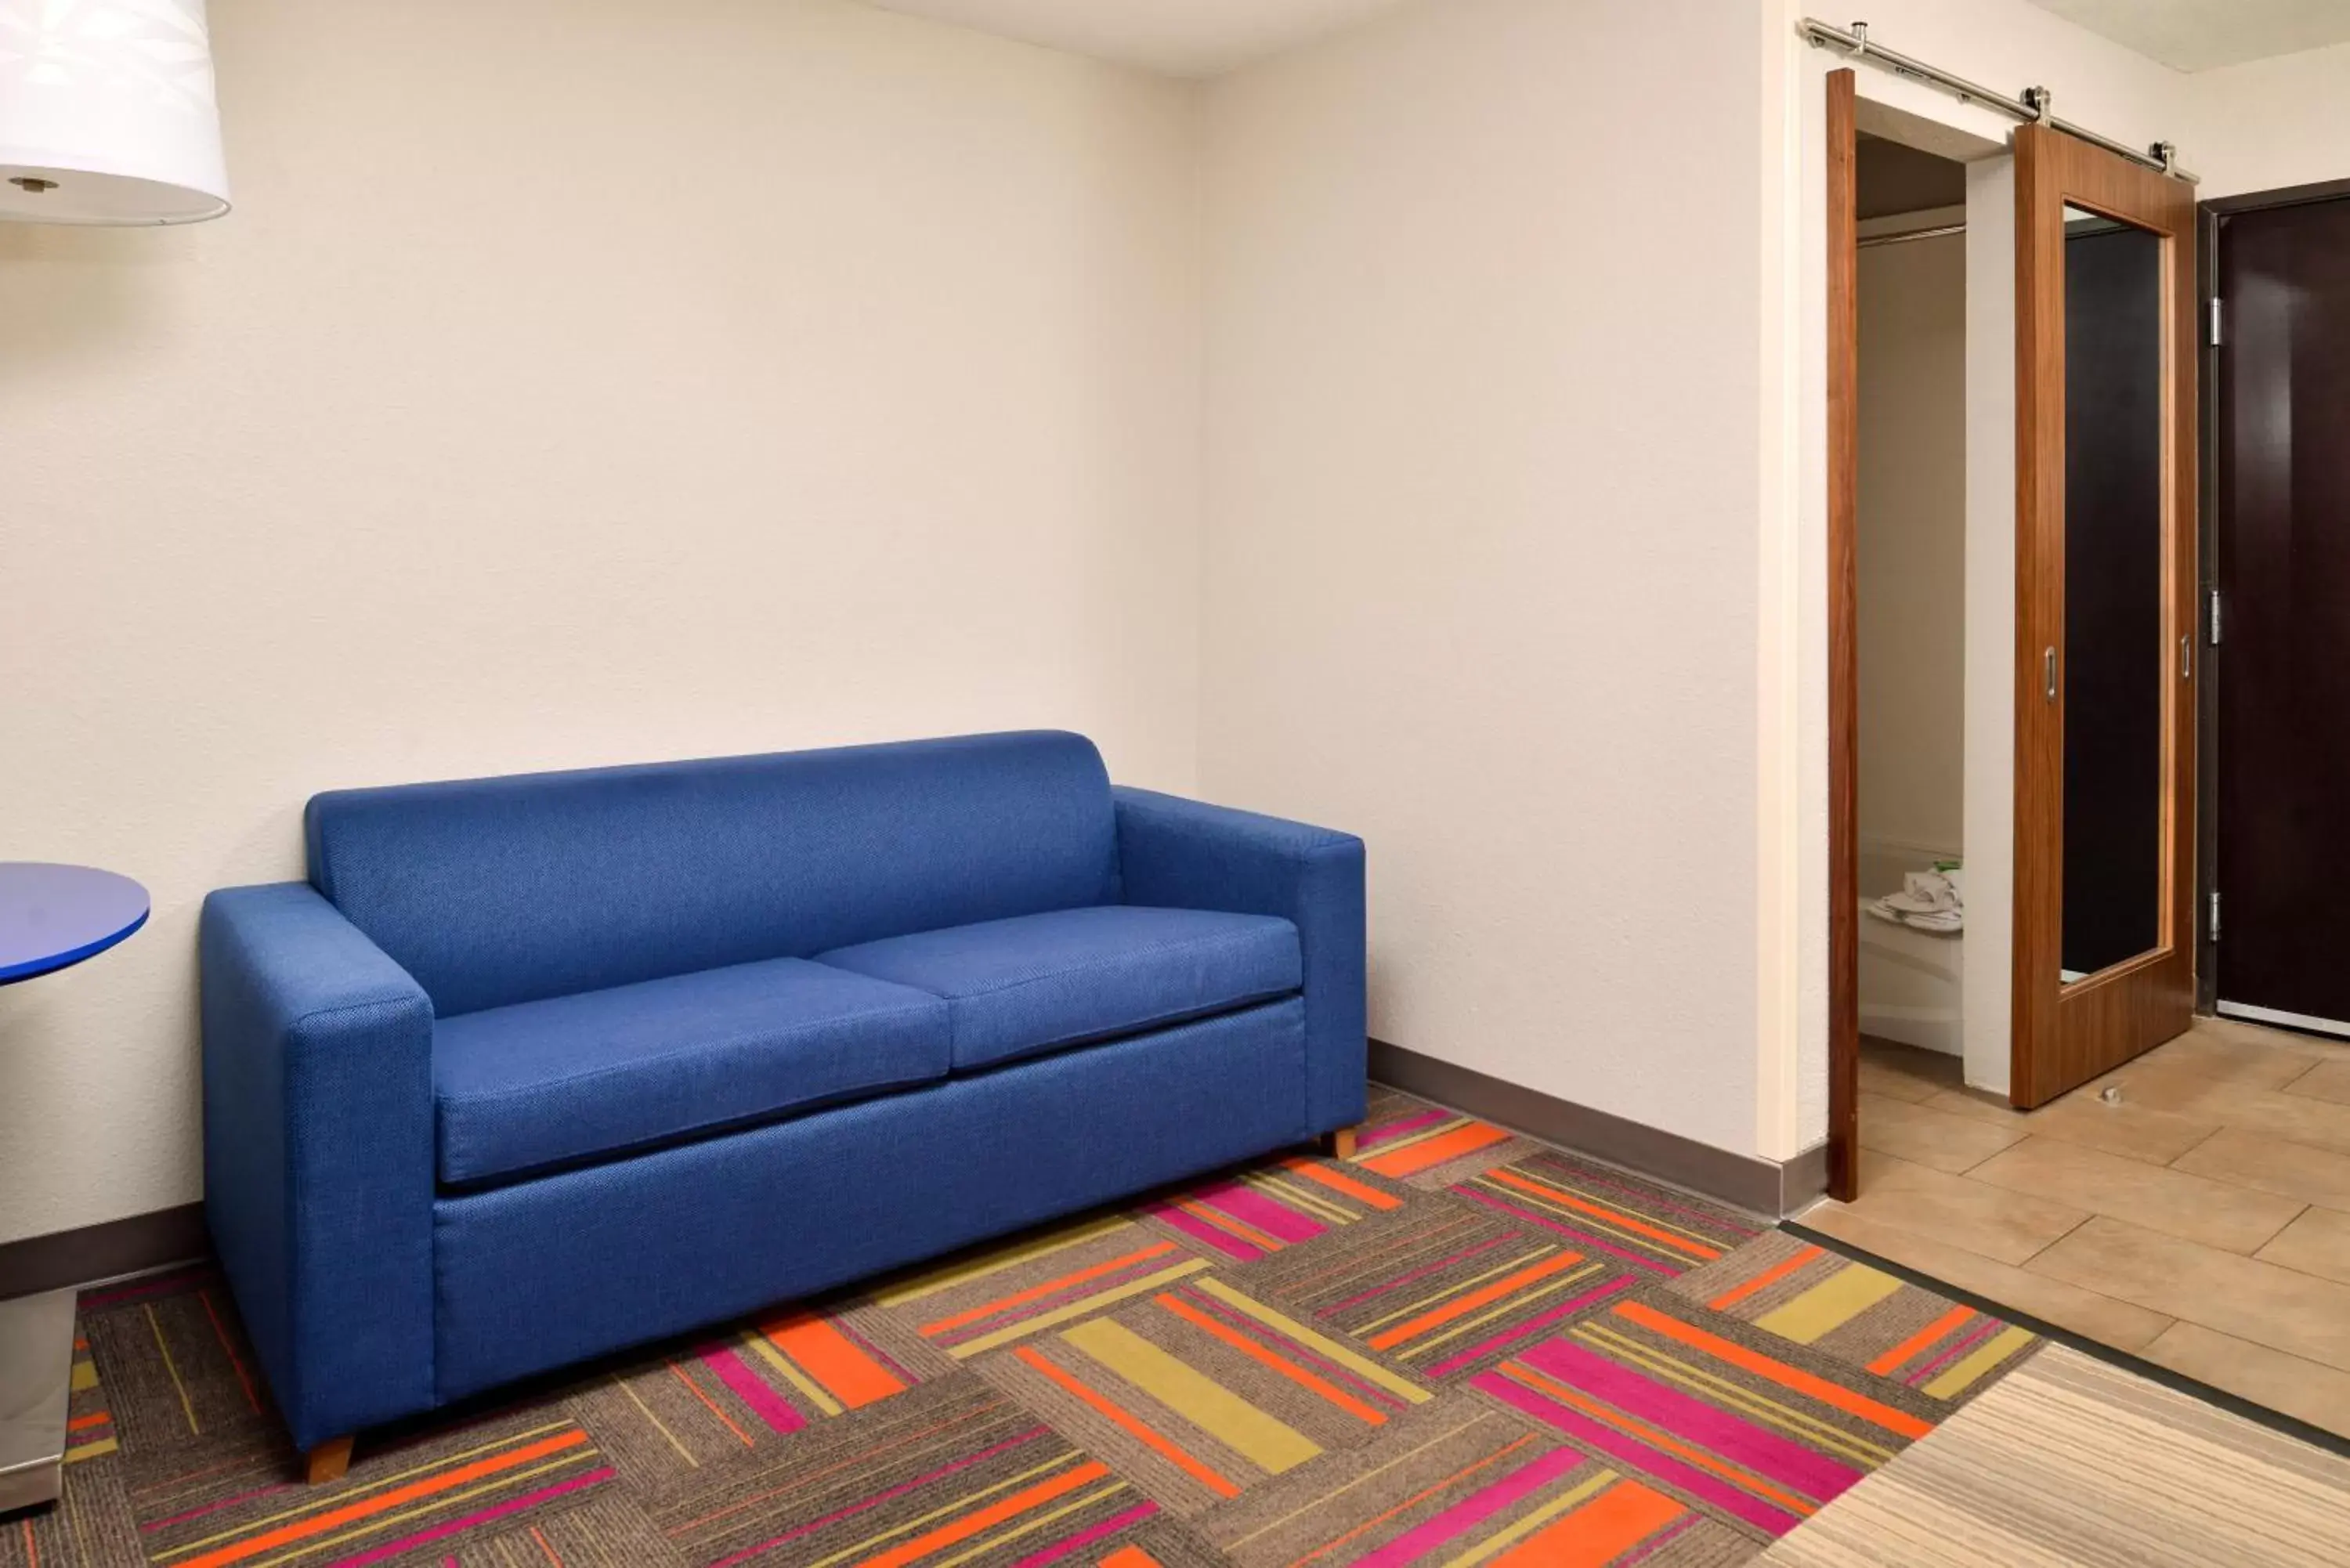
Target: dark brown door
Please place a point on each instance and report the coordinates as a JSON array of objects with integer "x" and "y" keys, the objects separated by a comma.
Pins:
[
  {"x": 2284, "y": 738},
  {"x": 2106, "y": 560}
]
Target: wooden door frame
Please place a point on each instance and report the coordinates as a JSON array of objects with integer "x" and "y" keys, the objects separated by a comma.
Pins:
[
  {"x": 1844, "y": 636},
  {"x": 2051, "y": 170}
]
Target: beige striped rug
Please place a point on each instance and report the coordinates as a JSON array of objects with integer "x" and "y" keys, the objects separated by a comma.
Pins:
[{"x": 2069, "y": 1460}]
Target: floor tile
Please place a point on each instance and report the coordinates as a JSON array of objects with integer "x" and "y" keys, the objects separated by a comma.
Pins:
[
  {"x": 2324, "y": 1080},
  {"x": 2194, "y": 1208},
  {"x": 1928, "y": 1136},
  {"x": 2317, "y": 1243},
  {"x": 2232, "y": 1058},
  {"x": 2316, "y": 1393},
  {"x": 1905, "y": 1072},
  {"x": 2278, "y": 1307},
  {"x": 2133, "y": 1131},
  {"x": 2168, "y": 1087},
  {"x": 2101, "y": 1318},
  {"x": 2272, "y": 1165},
  {"x": 2008, "y": 1227}
]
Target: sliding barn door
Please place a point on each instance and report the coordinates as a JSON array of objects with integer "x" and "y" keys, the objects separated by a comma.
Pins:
[{"x": 2105, "y": 543}]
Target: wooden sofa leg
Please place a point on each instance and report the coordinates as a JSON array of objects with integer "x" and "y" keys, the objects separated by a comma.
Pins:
[
  {"x": 1341, "y": 1144},
  {"x": 329, "y": 1460}
]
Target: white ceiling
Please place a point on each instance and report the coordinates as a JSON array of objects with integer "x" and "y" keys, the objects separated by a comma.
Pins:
[
  {"x": 2197, "y": 34},
  {"x": 1178, "y": 38}
]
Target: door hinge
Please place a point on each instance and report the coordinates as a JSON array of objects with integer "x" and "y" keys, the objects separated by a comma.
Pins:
[
  {"x": 2217, "y": 315},
  {"x": 2214, "y": 919},
  {"x": 2215, "y": 617}
]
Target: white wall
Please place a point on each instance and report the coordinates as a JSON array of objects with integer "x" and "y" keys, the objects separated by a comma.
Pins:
[
  {"x": 575, "y": 382},
  {"x": 1483, "y": 371},
  {"x": 1913, "y": 531},
  {"x": 2271, "y": 123}
]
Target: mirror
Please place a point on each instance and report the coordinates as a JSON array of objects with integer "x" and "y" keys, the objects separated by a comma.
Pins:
[{"x": 2117, "y": 661}]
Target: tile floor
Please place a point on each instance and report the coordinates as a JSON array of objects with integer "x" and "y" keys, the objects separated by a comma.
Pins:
[{"x": 2202, "y": 1222}]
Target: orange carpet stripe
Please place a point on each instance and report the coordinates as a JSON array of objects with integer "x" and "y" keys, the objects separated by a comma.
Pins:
[
  {"x": 832, "y": 1359},
  {"x": 382, "y": 1502},
  {"x": 1598, "y": 1532},
  {"x": 1657, "y": 1437},
  {"x": 1434, "y": 1151},
  {"x": 1920, "y": 1340},
  {"x": 1845, "y": 1399},
  {"x": 1289, "y": 1369},
  {"x": 83, "y": 1423},
  {"x": 1614, "y": 1217},
  {"x": 1228, "y": 1224},
  {"x": 1337, "y": 1180},
  {"x": 1764, "y": 1281},
  {"x": 1049, "y": 1287},
  {"x": 1461, "y": 1306},
  {"x": 995, "y": 1514},
  {"x": 1131, "y": 1426},
  {"x": 687, "y": 1378},
  {"x": 1130, "y": 1557}
]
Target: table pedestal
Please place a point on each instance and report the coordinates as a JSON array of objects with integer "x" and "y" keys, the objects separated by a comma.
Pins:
[{"x": 36, "y": 1336}]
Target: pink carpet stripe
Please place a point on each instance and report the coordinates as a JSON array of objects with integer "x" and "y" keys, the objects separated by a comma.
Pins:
[
  {"x": 1638, "y": 1457},
  {"x": 1716, "y": 1430},
  {"x": 1466, "y": 1515},
  {"x": 1388, "y": 1132},
  {"x": 1658, "y": 1542},
  {"x": 138, "y": 1290},
  {"x": 1583, "y": 1237},
  {"x": 1086, "y": 1537},
  {"x": 1199, "y": 1230},
  {"x": 1534, "y": 1325},
  {"x": 1983, "y": 1331},
  {"x": 752, "y": 1389},
  {"x": 1280, "y": 1344},
  {"x": 214, "y": 1507},
  {"x": 441, "y": 1532},
  {"x": 1253, "y": 1208},
  {"x": 877, "y": 1499}
]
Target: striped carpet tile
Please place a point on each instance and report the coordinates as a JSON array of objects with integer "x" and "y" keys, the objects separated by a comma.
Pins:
[
  {"x": 1256, "y": 1213},
  {"x": 1759, "y": 1432},
  {"x": 1465, "y": 1482},
  {"x": 1201, "y": 1392},
  {"x": 1442, "y": 1288},
  {"x": 1652, "y": 1229},
  {"x": 1410, "y": 1140},
  {"x": 953, "y": 1472},
  {"x": 1808, "y": 1295}
]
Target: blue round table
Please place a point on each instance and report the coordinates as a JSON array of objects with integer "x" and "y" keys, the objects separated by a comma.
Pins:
[{"x": 51, "y": 918}]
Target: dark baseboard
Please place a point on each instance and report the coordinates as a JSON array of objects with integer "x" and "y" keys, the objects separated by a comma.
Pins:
[
  {"x": 107, "y": 1252},
  {"x": 1759, "y": 1186}
]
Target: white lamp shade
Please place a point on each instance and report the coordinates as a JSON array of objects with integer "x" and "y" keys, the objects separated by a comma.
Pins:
[{"x": 107, "y": 113}]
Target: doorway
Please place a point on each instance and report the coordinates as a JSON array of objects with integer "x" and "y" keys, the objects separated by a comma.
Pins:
[{"x": 2277, "y": 626}]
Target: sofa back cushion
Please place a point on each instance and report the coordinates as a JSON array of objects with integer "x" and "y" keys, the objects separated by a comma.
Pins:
[{"x": 493, "y": 891}]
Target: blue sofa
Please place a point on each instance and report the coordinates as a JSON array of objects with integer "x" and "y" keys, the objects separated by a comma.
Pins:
[{"x": 534, "y": 1068}]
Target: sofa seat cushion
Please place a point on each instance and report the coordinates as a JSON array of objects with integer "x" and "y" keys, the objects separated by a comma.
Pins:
[
  {"x": 541, "y": 1084},
  {"x": 1017, "y": 987}
]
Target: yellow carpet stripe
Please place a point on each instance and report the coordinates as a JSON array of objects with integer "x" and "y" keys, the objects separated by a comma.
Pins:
[
  {"x": 1517, "y": 1303},
  {"x": 936, "y": 1280},
  {"x": 92, "y": 1450},
  {"x": 1264, "y": 1439},
  {"x": 1310, "y": 1504},
  {"x": 85, "y": 1376},
  {"x": 1068, "y": 1310},
  {"x": 1533, "y": 1522},
  {"x": 1960, "y": 1377},
  {"x": 1830, "y": 1305},
  {"x": 1282, "y": 1191},
  {"x": 1359, "y": 1365},
  {"x": 381, "y": 1522},
  {"x": 1613, "y": 1202},
  {"x": 638, "y": 1400},
  {"x": 187, "y": 1406},
  {"x": 1721, "y": 1391},
  {"x": 1422, "y": 1136},
  {"x": 773, "y": 1356},
  {"x": 1446, "y": 1292}
]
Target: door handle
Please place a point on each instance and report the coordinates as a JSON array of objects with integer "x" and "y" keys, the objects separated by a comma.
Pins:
[
  {"x": 2186, "y": 657},
  {"x": 2050, "y": 657}
]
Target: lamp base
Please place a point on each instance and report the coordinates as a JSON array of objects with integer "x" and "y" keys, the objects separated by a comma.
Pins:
[{"x": 36, "y": 1380}]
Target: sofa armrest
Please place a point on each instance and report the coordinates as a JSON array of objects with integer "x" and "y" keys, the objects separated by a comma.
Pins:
[
  {"x": 318, "y": 1155},
  {"x": 1182, "y": 854}
]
